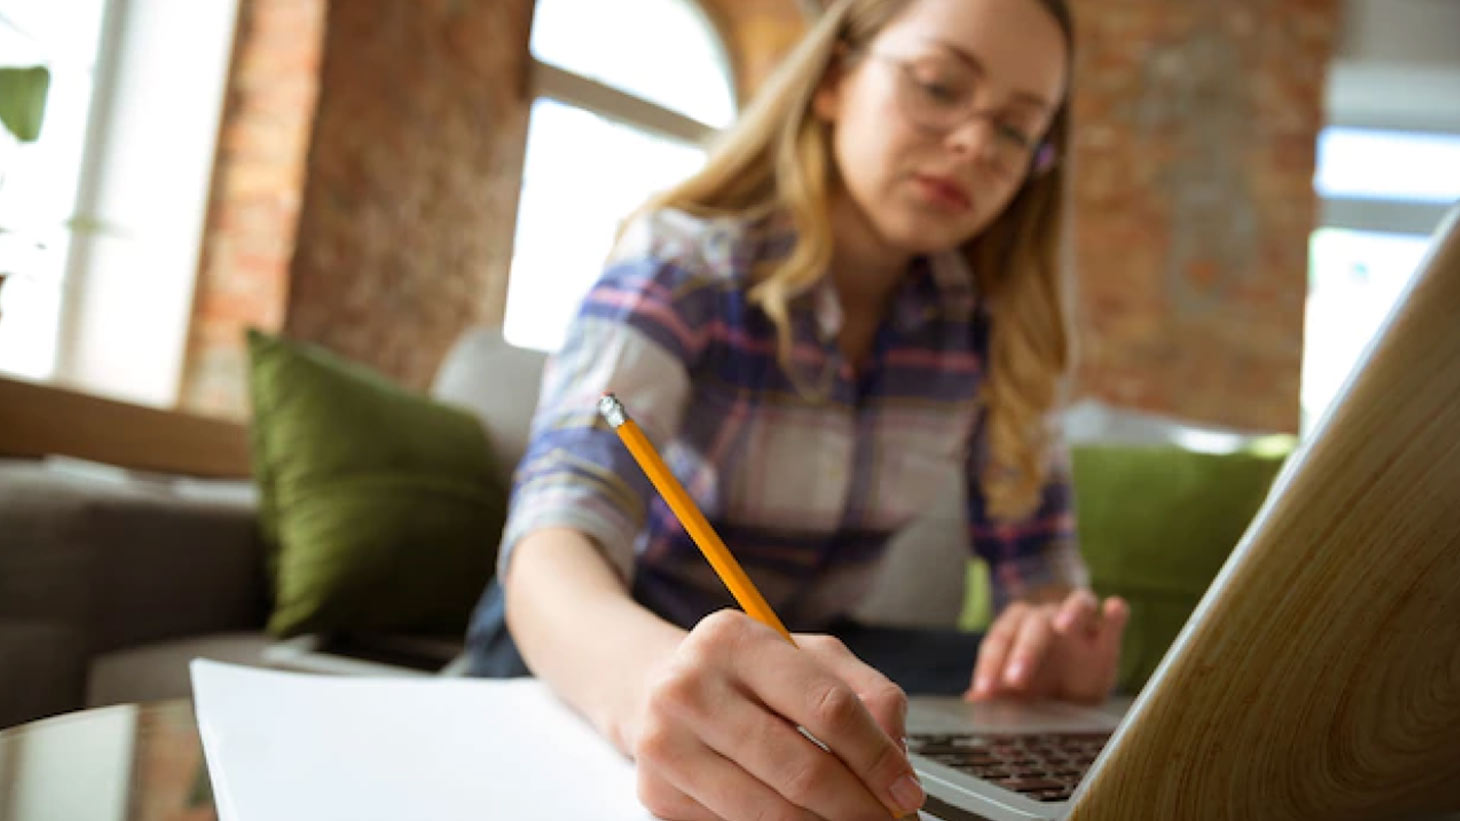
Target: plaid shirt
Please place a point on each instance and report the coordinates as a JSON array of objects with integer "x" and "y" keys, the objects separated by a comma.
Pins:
[{"x": 805, "y": 490}]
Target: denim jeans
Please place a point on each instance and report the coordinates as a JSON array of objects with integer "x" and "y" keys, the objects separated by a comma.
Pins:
[{"x": 920, "y": 660}]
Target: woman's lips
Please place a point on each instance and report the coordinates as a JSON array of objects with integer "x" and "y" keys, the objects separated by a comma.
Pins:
[{"x": 943, "y": 192}]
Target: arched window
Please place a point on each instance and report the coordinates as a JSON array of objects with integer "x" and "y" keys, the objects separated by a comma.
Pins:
[{"x": 626, "y": 95}]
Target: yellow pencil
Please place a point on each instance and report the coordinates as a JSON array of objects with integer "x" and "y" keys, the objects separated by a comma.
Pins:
[
  {"x": 689, "y": 515},
  {"x": 704, "y": 536}
]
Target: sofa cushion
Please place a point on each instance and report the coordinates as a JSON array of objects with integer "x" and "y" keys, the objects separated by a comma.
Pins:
[
  {"x": 1156, "y": 523},
  {"x": 94, "y": 557},
  {"x": 498, "y": 383},
  {"x": 159, "y": 670},
  {"x": 42, "y": 669},
  {"x": 383, "y": 507},
  {"x": 156, "y": 671}
]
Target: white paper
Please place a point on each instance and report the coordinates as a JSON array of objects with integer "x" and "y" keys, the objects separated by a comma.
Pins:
[{"x": 282, "y": 746}]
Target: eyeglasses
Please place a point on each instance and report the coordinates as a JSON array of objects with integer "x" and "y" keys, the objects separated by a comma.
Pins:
[{"x": 939, "y": 106}]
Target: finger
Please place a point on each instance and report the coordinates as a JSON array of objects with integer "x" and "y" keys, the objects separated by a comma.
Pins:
[
  {"x": 793, "y": 685},
  {"x": 1092, "y": 684},
  {"x": 994, "y": 649},
  {"x": 665, "y": 800},
  {"x": 884, "y": 700},
  {"x": 1114, "y": 616},
  {"x": 708, "y": 779},
  {"x": 1077, "y": 613},
  {"x": 770, "y": 749},
  {"x": 1036, "y": 633}
]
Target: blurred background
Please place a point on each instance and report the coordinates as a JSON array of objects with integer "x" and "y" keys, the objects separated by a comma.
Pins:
[
  {"x": 1254, "y": 181},
  {"x": 400, "y": 183}
]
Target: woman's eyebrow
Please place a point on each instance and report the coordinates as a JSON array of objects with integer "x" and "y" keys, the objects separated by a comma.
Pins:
[{"x": 972, "y": 61}]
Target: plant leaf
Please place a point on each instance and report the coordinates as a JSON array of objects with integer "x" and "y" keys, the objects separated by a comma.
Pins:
[{"x": 23, "y": 100}]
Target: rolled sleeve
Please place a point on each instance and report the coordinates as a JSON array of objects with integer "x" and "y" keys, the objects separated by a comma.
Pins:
[
  {"x": 635, "y": 335},
  {"x": 1038, "y": 551}
]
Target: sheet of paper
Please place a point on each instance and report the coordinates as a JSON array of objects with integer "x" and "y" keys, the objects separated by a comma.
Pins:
[{"x": 286, "y": 745}]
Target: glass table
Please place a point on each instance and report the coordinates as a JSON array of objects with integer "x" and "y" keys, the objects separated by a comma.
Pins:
[{"x": 134, "y": 762}]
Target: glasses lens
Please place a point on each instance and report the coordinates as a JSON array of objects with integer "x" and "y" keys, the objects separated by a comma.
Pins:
[{"x": 933, "y": 110}]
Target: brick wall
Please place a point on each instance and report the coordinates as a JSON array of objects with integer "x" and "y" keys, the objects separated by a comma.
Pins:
[
  {"x": 1192, "y": 193},
  {"x": 1192, "y": 197},
  {"x": 414, "y": 172},
  {"x": 243, "y": 277},
  {"x": 1196, "y": 125},
  {"x": 414, "y": 164}
]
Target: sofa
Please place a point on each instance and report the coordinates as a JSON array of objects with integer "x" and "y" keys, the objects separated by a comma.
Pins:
[{"x": 112, "y": 580}]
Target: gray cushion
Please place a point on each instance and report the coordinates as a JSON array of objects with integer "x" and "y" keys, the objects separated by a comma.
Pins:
[
  {"x": 1090, "y": 421},
  {"x": 94, "y": 558},
  {"x": 498, "y": 383},
  {"x": 45, "y": 557},
  {"x": 126, "y": 558},
  {"x": 42, "y": 669},
  {"x": 160, "y": 671}
]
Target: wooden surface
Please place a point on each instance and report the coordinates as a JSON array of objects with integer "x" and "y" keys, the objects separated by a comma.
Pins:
[
  {"x": 1339, "y": 697},
  {"x": 40, "y": 420}
]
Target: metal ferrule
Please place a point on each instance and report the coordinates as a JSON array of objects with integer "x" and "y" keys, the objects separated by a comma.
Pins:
[{"x": 612, "y": 410}]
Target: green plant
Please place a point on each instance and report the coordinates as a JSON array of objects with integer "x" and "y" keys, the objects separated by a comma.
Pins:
[{"x": 23, "y": 93}]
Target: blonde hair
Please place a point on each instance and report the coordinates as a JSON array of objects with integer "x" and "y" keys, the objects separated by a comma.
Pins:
[{"x": 777, "y": 159}]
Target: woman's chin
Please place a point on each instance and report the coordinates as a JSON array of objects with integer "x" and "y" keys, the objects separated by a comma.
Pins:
[{"x": 919, "y": 234}]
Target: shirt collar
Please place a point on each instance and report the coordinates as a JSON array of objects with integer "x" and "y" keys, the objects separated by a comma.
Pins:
[
  {"x": 939, "y": 285},
  {"x": 957, "y": 293}
]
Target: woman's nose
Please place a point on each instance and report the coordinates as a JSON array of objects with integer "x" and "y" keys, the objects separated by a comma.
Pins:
[{"x": 974, "y": 138}]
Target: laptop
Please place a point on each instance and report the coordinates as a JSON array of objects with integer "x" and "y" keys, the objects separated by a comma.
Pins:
[{"x": 1319, "y": 676}]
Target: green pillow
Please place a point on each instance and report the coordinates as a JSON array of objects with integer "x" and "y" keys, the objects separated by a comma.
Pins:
[
  {"x": 381, "y": 509},
  {"x": 1156, "y": 524}
]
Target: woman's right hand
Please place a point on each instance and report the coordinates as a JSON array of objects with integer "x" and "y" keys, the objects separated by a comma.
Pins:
[{"x": 716, "y": 733}]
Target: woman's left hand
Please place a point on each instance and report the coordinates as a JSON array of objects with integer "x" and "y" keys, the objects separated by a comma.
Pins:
[{"x": 1067, "y": 650}]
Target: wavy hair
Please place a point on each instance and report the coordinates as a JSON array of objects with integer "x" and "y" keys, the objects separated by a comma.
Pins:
[{"x": 778, "y": 159}]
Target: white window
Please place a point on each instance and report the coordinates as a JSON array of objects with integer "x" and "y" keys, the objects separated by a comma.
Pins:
[
  {"x": 38, "y": 180},
  {"x": 1355, "y": 278},
  {"x": 1383, "y": 192},
  {"x": 1372, "y": 164},
  {"x": 116, "y": 190},
  {"x": 627, "y": 93}
]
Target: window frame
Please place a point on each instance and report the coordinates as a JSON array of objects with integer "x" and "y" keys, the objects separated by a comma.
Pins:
[
  {"x": 579, "y": 91},
  {"x": 584, "y": 94},
  {"x": 1369, "y": 215},
  {"x": 1380, "y": 215}
]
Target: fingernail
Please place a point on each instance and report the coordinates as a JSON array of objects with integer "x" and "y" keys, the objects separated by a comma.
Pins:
[
  {"x": 1016, "y": 673},
  {"x": 907, "y": 794},
  {"x": 981, "y": 686}
]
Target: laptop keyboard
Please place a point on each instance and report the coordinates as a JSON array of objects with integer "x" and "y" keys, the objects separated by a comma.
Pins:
[{"x": 1041, "y": 766}]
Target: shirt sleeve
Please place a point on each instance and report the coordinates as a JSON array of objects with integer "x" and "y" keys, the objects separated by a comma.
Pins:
[
  {"x": 1041, "y": 549},
  {"x": 638, "y": 334}
]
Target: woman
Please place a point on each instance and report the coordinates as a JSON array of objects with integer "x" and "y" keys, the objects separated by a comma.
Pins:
[{"x": 854, "y": 300}]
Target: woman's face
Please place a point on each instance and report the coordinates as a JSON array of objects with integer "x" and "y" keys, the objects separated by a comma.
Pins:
[{"x": 936, "y": 122}]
